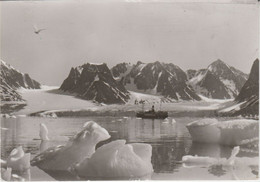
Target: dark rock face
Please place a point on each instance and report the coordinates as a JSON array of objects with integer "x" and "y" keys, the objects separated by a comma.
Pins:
[
  {"x": 191, "y": 73},
  {"x": 8, "y": 93},
  {"x": 121, "y": 69},
  {"x": 16, "y": 79},
  {"x": 218, "y": 81},
  {"x": 247, "y": 102},
  {"x": 249, "y": 93},
  {"x": 12, "y": 79},
  {"x": 157, "y": 79},
  {"x": 95, "y": 82}
]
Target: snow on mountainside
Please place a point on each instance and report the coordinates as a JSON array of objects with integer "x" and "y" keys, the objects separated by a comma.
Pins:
[
  {"x": 12, "y": 79},
  {"x": 155, "y": 78},
  {"x": 247, "y": 101},
  {"x": 16, "y": 79},
  {"x": 218, "y": 81},
  {"x": 95, "y": 82},
  {"x": 8, "y": 93}
]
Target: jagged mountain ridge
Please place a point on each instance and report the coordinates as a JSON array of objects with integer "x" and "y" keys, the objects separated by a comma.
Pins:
[
  {"x": 16, "y": 79},
  {"x": 12, "y": 79},
  {"x": 247, "y": 101},
  {"x": 155, "y": 78},
  {"x": 218, "y": 81},
  {"x": 95, "y": 82},
  {"x": 8, "y": 93}
]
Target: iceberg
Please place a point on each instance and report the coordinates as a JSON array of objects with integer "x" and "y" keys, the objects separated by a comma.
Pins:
[
  {"x": 117, "y": 160},
  {"x": 232, "y": 132},
  {"x": 43, "y": 132},
  {"x": 6, "y": 174},
  {"x": 202, "y": 161},
  {"x": 82, "y": 145},
  {"x": 18, "y": 160}
]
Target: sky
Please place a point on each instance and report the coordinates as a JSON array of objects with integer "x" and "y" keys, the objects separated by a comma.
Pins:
[{"x": 190, "y": 35}]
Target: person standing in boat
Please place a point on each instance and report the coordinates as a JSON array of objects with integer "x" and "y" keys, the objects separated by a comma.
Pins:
[{"x": 152, "y": 110}]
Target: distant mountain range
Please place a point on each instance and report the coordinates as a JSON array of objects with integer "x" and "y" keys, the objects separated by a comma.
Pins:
[
  {"x": 99, "y": 83},
  {"x": 12, "y": 79},
  {"x": 218, "y": 80},
  {"x": 155, "y": 78},
  {"x": 95, "y": 82}
]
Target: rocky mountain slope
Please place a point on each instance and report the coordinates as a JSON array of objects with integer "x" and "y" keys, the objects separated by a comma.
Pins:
[
  {"x": 218, "y": 81},
  {"x": 16, "y": 79},
  {"x": 8, "y": 93},
  {"x": 95, "y": 82},
  {"x": 247, "y": 101},
  {"x": 12, "y": 79},
  {"x": 155, "y": 78}
]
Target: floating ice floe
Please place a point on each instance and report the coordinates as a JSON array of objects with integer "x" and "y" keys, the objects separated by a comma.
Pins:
[
  {"x": 43, "y": 132},
  {"x": 6, "y": 174},
  {"x": 3, "y": 163},
  {"x": 233, "y": 132},
  {"x": 117, "y": 160},
  {"x": 191, "y": 161},
  {"x": 18, "y": 160},
  {"x": 4, "y": 129},
  {"x": 82, "y": 145},
  {"x": 173, "y": 121}
]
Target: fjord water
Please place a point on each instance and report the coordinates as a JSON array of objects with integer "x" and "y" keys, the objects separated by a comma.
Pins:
[{"x": 170, "y": 141}]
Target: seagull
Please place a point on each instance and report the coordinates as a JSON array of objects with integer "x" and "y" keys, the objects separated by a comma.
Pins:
[{"x": 36, "y": 30}]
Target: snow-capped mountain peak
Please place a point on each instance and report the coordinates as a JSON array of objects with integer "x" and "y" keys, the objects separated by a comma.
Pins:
[
  {"x": 229, "y": 79},
  {"x": 12, "y": 79},
  {"x": 95, "y": 82},
  {"x": 155, "y": 78}
]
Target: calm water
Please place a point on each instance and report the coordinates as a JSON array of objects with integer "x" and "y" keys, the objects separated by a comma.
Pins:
[{"x": 169, "y": 141}]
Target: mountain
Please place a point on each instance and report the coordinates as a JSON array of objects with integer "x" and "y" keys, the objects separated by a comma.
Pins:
[
  {"x": 247, "y": 101},
  {"x": 95, "y": 82},
  {"x": 218, "y": 81},
  {"x": 249, "y": 94},
  {"x": 155, "y": 78},
  {"x": 16, "y": 79},
  {"x": 12, "y": 79},
  {"x": 8, "y": 93}
]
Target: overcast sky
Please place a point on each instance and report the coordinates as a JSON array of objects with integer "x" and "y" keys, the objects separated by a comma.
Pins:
[{"x": 190, "y": 35}]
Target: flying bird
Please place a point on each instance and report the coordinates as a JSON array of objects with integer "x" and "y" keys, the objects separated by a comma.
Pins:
[{"x": 37, "y": 31}]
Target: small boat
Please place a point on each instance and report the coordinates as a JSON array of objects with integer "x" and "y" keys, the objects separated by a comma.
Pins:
[{"x": 152, "y": 114}]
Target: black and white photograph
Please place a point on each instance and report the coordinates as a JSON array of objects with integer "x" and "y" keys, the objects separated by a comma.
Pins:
[{"x": 105, "y": 90}]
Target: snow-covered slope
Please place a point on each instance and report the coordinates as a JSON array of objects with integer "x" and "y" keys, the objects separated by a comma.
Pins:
[
  {"x": 8, "y": 93},
  {"x": 155, "y": 78},
  {"x": 218, "y": 81},
  {"x": 12, "y": 79},
  {"x": 16, "y": 79},
  {"x": 95, "y": 82},
  {"x": 247, "y": 101}
]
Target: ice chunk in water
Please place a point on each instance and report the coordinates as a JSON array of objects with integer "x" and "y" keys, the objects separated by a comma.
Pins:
[
  {"x": 117, "y": 160},
  {"x": 82, "y": 145},
  {"x": 6, "y": 174},
  {"x": 43, "y": 132},
  {"x": 189, "y": 160},
  {"x": 18, "y": 160},
  {"x": 233, "y": 132}
]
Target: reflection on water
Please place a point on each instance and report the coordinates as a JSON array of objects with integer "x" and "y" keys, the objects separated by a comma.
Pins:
[{"x": 170, "y": 142}]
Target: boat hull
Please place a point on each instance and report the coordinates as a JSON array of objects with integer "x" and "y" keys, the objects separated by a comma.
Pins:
[{"x": 152, "y": 115}]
